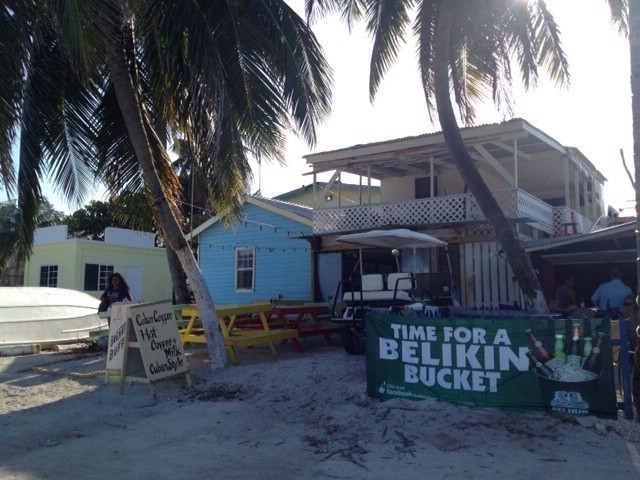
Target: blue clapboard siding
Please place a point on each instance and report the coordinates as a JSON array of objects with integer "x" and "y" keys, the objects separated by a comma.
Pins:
[{"x": 282, "y": 263}]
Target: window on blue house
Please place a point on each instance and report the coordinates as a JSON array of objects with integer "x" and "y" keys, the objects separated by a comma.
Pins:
[
  {"x": 49, "y": 276},
  {"x": 245, "y": 263}
]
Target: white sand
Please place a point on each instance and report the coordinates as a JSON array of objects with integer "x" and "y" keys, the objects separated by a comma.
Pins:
[{"x": 295, "y": 416}]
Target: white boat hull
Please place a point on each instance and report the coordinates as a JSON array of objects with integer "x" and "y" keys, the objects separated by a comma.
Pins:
[{"x": 42, "y": 315}]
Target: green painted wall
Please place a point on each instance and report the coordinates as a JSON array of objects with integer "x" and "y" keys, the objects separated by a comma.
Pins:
[{"x": 71, "y": 256}]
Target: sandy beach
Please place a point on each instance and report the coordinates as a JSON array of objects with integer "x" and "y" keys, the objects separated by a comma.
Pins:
[{"x": 294, "y": 416}]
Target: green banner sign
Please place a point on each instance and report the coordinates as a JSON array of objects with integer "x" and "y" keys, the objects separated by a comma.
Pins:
[{"x": 518, "y": 364}]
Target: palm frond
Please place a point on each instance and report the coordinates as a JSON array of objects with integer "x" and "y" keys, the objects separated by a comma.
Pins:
[
  {"x": 620, "y": 15},
  {"x": 16, "y": 19},
  {"x": 133, "y": 209},
  {"x": 117, "y": 164},
  {"x": 387, "y": 23},
  {"x": 424, "y": 29},
  {"x": 487, "y": 42},
  {"x": 548, "y": 45}
]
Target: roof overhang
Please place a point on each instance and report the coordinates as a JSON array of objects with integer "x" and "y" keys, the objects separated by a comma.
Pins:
[
  {"x": 612, "y": 256},
  {"x": 412, "y": 155},
  {"x": 267, "y": 204},
  {"x": 609, "y": 245}
]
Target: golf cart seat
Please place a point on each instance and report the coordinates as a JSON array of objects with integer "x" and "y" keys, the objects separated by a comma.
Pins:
[
  {"x": 400, "y": 281},
  {"x": 374, "y": 293}
]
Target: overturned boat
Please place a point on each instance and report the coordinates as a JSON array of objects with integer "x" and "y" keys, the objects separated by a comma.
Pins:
[{"x": 45, "y": 315}]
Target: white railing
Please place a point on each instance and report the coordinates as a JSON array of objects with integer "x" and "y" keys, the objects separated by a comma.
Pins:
[
  {"x": 570, "y": 222},
  {"x": 463, "y": 208},
  {"x": 540, "y": 212}
]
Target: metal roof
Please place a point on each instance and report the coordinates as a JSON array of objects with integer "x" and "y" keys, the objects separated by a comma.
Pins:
[
  {"x": 412, "y": 155},
  {"x": 302, "y": 210},
  {"x": 320, "y": 185}
]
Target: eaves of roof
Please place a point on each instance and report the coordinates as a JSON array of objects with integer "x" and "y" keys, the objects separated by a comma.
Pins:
[
  {"x": 300, "y": 213},
  {"x": 548, "y": 243}
]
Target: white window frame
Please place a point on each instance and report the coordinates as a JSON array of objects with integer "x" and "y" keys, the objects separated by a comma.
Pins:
[
  {"x": 102, "y": 277},
  {"x": 244, "y": 268},
  {"x": 51, "y": 274}
]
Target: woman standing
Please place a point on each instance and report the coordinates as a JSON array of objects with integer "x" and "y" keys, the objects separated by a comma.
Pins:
[{"x": 117, "y": 291}]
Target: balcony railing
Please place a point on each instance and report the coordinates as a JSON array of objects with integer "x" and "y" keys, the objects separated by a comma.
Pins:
[
  {"x": 568, "y": 222},
  {"x": 453, "y": 209}
]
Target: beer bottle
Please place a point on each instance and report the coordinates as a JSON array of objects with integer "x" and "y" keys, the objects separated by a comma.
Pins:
[
  {"x": 541, "y": 368},
  {"x": 558, "y": 350},
  {"x": 539, "y": 351},
  {"x": 587, "y": 346},
  {"x": 574, "y": 354},
  {"x": 593, "y": 363},
  {"x": 542, "y": 353}
]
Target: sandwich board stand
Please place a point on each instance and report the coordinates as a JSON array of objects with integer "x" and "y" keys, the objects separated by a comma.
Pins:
[{"x": 144, "y": 344}]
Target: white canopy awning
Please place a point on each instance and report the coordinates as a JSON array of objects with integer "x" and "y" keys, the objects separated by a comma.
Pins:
[{"x": 398, "y": 238}]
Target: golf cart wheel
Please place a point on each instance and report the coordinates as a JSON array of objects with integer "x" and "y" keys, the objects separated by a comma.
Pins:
[{"x": 353, "y": 340}]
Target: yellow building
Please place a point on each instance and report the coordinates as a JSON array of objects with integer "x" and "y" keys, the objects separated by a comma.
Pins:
[{"x": 84, "y": 265}]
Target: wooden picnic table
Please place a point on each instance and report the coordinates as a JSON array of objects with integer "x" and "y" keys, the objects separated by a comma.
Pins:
[
  {"x": 307, "y": 320},
  {"x": 230, "y": 318}
]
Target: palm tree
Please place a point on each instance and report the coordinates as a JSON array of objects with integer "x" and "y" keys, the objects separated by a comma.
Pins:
[
  {"x": 634, "y": 52},
  {"x": 467, "y": 49},
  {"x": 134, "y": 210},
  {"x": 12, "y": 255},
  {"x": 90, "y": 80},
  {"x": 626, "y": 15},
  {"x": 196, "y": 207}
]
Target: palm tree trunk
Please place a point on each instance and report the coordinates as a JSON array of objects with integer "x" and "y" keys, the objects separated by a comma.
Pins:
[
  {"x": 504, "y": 230},
  {"x": 178, "y": 278},
  {"x": 634, "y": 53},
  {"x": 132, "y": 112}
]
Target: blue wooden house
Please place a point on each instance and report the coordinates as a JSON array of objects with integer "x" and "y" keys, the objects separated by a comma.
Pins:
[{"x": 261, "y": 255}]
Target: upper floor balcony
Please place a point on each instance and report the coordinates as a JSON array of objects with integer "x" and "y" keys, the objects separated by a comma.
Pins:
[
  {"x": 453, "y": 210},
  {"x": 547, "y": 189}
]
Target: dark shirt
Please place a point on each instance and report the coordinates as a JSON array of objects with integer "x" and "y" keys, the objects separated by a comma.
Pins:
[
  {"x": 565, "y": 296},
  {"x": 631, "y": 315},
  {"x": 119, "y": 294}
]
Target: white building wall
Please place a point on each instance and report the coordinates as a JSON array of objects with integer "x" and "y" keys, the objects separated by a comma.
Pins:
[
  {"x": 46, "y": 235},
  {"x": 129, "y": 238},
  {"x": 396, "y": 189}
]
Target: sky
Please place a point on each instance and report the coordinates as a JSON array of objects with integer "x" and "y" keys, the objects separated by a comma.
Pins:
[{"x": 592, "y": 114}]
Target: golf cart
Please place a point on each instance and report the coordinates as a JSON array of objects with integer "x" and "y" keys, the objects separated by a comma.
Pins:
[{"x": 374, "y": 292}]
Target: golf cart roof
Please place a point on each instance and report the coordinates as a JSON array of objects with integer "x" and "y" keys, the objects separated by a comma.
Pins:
[{"x": 399, "y": 238}]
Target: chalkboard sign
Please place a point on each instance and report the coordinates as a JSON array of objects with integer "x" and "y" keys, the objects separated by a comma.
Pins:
[
  {"x": 117, "y": 338},
  {"x": 144, "y": 343},
  {"x": 156, "y": 332}
]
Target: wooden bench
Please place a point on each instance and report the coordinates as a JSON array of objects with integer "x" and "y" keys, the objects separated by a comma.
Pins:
[
  {"x": 233, "y": 334},
  {"x": 307, "y": 319}
]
